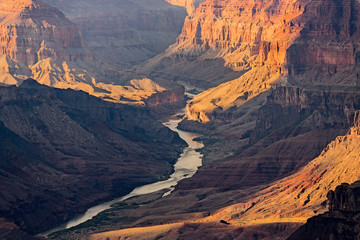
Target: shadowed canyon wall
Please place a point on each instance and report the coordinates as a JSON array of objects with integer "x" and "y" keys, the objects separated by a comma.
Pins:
[
  {"x": 125, "y": 32},
  {"x": 64, "y": 150}
]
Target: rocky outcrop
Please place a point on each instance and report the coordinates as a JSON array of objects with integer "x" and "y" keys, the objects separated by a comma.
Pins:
[
  {"x": 321, "y": 107},
  {"x": 345, "y": 198},
  {"x": 174, "y": 96},
  {"x": 293, "y": 127},
  {"x": 342, "y": 219},
  {"x": 63, "y": 150},
  {"x": 125, "y": 32},
  {"x": 297, "y": 42},
  {"x": 32, "y": 31},
  {"x": 38, "y": 41},
  {"x": 190, "y": 5}
]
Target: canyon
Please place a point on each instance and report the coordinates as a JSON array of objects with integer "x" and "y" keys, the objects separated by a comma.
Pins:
[
  {"x": 125, "y": 32},
  {"x": 253, "y": 188},
  {"x": 276, "y": 100},
  {"x": 64, "y": 150},
  {"x": 39, "y": 41}
]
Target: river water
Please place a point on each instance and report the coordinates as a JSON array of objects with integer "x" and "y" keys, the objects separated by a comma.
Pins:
[{"x": 186, "y": 166}]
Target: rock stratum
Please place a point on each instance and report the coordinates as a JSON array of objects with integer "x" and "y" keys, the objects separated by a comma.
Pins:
[
  {"x": 272, "y": 211},
  {"x": 64, "y": 150},
  {"x": 38, "y": 41},
  {"x": 268, "y": 188},
  {"x": 340, "y": 222},
  {"x": 190, "y": 5},
  {"x": 125, "y": 32},
  {"x": 256, "y": 44}
]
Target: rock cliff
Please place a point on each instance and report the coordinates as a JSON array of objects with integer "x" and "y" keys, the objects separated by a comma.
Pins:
[
  {"x": 38, "y": 41},
  {"x": 292, "y": 128},
  {"x": 342, "y": 219},
  {"x": 32, "y": 31},
  {"x": 248, "y": 38},
  {"x": 287, "y": 42},
  {"x": 283, "y": 175},
  {"x": 125, "y": 32},
  {"x": 64, "y": 150},
  {"x": 315, "y": 107},
  {"x": 190, "y": 5}
]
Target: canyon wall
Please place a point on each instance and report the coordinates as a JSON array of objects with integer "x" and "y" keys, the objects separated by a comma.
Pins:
[
  {"x": 340, "y": 222},
  {"x": 190, "y": 5},
  {"x": 315, "y": 108},
  {"x": 273, "y": 209},
  {"x": 292, "y": 128},
  {"x": 63, "y": 151},
  {"x": 38, "y": 41},
  {"x": 282, "y": 42},
  {"x": 28, "y": 33},
  {"x": 125, "y": 32}
]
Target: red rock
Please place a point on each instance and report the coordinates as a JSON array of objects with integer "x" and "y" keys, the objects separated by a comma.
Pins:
[{"x": 32, "y": 31}]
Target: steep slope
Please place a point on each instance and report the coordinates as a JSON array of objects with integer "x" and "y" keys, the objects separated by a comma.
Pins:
[
  {"x": 293, "y": 127},
  {"x": 276, "y": 210},
  {"x": 63, "y": 150},
  {"x": 125, "y": 32},
  {"x": 251, "y": 45},
  {"x": 302, "y": 42},
  {"x": 340, "y": 222},
  {"x": 190, "y": 5},
  {"x": 38, "y": 41},
  {"x": 302, "y": 194},
  {"x": 235, "y": 36}
]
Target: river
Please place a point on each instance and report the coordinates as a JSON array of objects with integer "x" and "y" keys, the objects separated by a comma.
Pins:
[{"x": 186, "y": 166}]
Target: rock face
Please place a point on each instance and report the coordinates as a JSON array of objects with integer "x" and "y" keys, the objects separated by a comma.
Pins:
[
  {"x": 248, "y": 38},
  {"x": 28, "y": 33},
  {"x": 125, "y": 32},
  {"x": 296, "y": 42},
  {"x": 316, "y": 107},
  {"x": 190, "y": 5},
  {"x": 303, "y": 194},
  {"x": 292, "y": 128},
  {"x": 284, "y": 175},
  {"x": 63, "y": 150},
  {"x": 38, "y": 41},
  {"x": 342, "y": 219},
  {"x": 345, "y": 198}
]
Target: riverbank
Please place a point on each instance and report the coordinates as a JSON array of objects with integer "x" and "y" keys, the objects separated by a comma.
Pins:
[{"x": 186, "y": 166}]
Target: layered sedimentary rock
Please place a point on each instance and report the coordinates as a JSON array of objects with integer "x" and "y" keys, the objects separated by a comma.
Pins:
[
  {"x": 38, "y": 41},
  {"x": 296, "y": 42},
  {"x": 342, "y": 219},
  {"x": 125, "y": 32},
  {"x": 304, "y": 193},
  {"x": 32, "y": 31},
  {"x": 248, "y": 183},
  {"x": 292, "y": 128},
  {"x": 190, "y": 5},
  {"x": 63, "y": 150},
  {"x": 248, "y": 38},
  {"x": 276, "y": 209}
]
